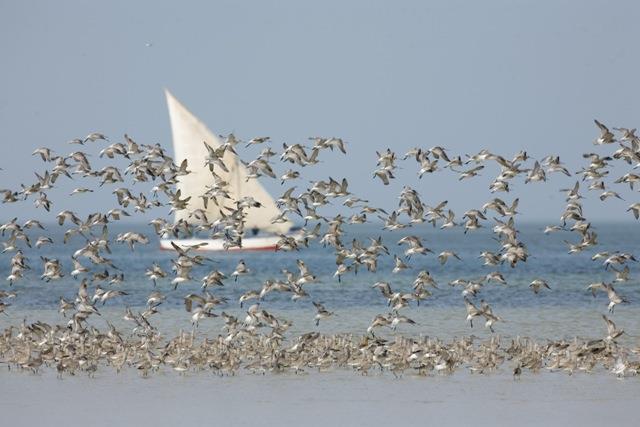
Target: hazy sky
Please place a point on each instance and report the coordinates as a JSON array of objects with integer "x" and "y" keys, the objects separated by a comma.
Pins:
[{"x": 505, "y": 75}]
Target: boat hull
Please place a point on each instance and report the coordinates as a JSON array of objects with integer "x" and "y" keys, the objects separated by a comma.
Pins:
[{"x": 262, "y": 243}]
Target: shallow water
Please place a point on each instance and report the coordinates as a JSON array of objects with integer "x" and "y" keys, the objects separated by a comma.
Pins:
[
  {"x": 331, "y": 398},
  {"x": 567, "y": 310},
  {"x": 341, "y": 397}
]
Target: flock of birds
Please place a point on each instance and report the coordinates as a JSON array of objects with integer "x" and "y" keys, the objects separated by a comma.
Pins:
[{"x": 259, "y": 342}]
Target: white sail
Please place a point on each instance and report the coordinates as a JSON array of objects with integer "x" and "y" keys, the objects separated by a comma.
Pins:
[{"x": 188, "y": 134}]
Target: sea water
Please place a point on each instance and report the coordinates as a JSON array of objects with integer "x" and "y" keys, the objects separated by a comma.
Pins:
[{"x": 565, "y": 311}]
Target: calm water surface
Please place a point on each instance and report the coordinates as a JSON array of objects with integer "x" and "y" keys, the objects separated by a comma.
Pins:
[{"x": 565, "y": 311}]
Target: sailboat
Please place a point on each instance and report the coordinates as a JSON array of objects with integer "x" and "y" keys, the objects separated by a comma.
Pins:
[{"x": 189, "y": 135}]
